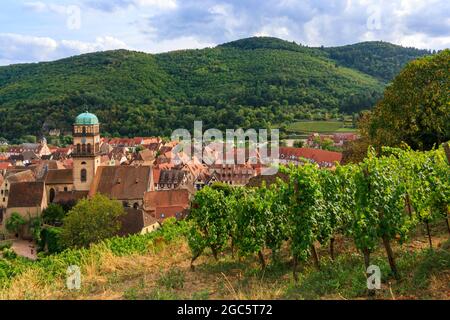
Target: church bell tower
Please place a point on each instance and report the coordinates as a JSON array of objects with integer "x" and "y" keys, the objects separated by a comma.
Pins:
[{"x": 86, "y": 154}]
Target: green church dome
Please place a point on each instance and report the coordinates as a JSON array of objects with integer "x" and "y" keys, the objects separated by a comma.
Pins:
[{"x": 86, "y": 119}]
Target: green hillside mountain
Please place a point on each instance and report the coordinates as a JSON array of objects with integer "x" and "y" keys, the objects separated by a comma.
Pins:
[
  {"x": 382, "y": 60},
  {"x": 255, "y": 82}
]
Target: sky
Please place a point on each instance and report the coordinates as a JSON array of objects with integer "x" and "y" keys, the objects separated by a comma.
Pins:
[{"x": 34, "y": 31}]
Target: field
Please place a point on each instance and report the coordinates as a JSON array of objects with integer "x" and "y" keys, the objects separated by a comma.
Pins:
[{"x": 319, "y": 127}]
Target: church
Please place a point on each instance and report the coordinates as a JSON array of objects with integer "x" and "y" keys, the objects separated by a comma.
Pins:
[
  {"x": 70, "y": 185},
  {"x": 89, "y": 176}
]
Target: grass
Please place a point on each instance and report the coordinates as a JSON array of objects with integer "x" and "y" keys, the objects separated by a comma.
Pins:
[
  {"x": 164, "y": 273},
  {"x": 319, "y": 127}
]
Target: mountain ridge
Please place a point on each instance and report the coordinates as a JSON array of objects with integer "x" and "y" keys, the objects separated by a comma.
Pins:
[{"x": 275, "y": 82}]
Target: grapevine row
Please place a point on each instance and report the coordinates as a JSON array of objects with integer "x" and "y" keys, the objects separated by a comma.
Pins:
[{"x": 377, "y": 201}]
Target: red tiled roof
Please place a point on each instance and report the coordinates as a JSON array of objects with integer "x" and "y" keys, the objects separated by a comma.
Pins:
[
  {"x": 168, "y": 212},
  {"x": 4, "y": 165},
  {"x": 167, "y": 198},
  {"x": 156, "y": 174},
  {"x": 122, "y": 182},
  {"x": 26, "y": 194},
  {"x": 64, "y": 176},
  {"x": 20, "y": 176},
  {"x": 134, "y": 220},
  {"x": 69, "y": 196}
]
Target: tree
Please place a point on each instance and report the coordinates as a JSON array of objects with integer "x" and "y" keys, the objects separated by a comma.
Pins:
[
  {"x": 415, "y": 107},
  {"x": 91, "y": 221},
  {"x": 15, "y": 223},
  {"x": 299, "y": 143},
  {"x": 53, "y": 215},
  {"x": 29, "y": 139}
]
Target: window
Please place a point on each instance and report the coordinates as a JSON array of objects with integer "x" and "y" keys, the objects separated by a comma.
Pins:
[
  {"x": 136, "y": 205},
  {"x": 52, "y": 195},
  {"x": 65, "y": 189},
  {"x": 89, "y": 148},
  {"x": 78, "y": 148},
  {"x": 83, "y": 148},
  {"x": 83, "y": 175}
]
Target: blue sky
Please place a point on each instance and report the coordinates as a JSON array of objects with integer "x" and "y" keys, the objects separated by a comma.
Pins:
[{"x": 32, "y": 31}]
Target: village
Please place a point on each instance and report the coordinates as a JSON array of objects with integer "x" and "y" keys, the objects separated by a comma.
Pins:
[{"x": 139, "y": 172}]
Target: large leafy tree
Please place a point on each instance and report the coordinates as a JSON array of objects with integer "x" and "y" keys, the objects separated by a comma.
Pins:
[
  {"x": 91, "y": 221},
  {"x": 53, "y": 214},
  {"x": 416, "y": 106}
]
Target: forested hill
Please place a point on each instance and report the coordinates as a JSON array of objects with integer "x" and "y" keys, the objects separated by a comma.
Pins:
[
  {"x": 382, "y": 60},
  {"x": 255, "y": 82}
]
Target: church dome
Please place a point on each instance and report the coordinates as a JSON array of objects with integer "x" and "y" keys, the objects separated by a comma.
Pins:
[{"x": 86, "y": 119}]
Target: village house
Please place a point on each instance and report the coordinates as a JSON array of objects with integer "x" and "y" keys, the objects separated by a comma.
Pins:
[
  {"x": 137, "y": 221},
  {"x": 127, "y": 184},
  {"x": 28, "y": 199},
  {"x": 339, "y": 139},
  {"x": 11, "y": 177},
  {"x": 232, "y": 174},
  {"x": 299, "y": 156},
  {"x": 4, "y": 166},
  {"x": 167, "y": 204},
  {"x": 144, "y": 157},
  {"x": 57, "y": 181},
  {"x": 170, "y": 179},
  {"x": 205, "y": 179},
  {"x": 40, "y": 149}
]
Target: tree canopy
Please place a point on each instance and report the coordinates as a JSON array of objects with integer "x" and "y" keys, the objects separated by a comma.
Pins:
[
  {"x": 415, "y": 108},
  {"x": 91, "y": 221}
]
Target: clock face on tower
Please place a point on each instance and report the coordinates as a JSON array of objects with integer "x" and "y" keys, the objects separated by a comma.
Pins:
[{"x": 83, "y": 140}]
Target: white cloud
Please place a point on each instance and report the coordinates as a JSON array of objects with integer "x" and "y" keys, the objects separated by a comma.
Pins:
[
  {"x": 100, "y": 44},
  {"x": 16, "y": 48},
  {"x": 40, "y": 6},
  {"x": 164, "y": 4},
  {"x": 164, "y": 25},
  {"x": 25, "y": 48},
  {"x": 114, "y": 5},
  {"x": 177, "y": 44}
]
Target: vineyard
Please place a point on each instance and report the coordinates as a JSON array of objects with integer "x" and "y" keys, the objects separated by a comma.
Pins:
[
  {"x": 377, "y": 201},
  {"x": 257, "y": 239},
  {"x": 52, "y": 267}
]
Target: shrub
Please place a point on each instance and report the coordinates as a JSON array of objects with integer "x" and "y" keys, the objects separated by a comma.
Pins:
[{"x": 15, "y": 223}]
